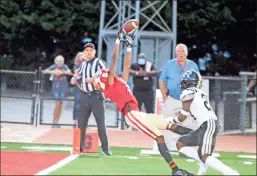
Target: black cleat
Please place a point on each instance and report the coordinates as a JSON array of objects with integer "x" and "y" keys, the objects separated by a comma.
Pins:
[
  {"x": 188, "y": 173},
  {"x": 107, "y": 153},
  {"x": 182, "y": 172}
]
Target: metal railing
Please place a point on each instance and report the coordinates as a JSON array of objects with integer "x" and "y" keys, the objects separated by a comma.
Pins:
[
  {"x": 226, "y": 95},
  {"x": 18, "y": 95},
  {"x": 26, "y": 98}
]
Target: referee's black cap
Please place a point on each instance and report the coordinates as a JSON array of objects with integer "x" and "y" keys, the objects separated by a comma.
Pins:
[{"x": 91, "y": 45}]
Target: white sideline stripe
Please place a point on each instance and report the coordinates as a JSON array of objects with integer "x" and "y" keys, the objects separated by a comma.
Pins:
[
  {"x": 43, "y": 148},
  {"x": 153, "y": 152},
  {"x": 154, "y": 157},
  {"x": 247, "y": 156},
  {"x": 58, "y": 165},
  {"x": 190, "y": 160},
  {"x": 2, "y": 147}
]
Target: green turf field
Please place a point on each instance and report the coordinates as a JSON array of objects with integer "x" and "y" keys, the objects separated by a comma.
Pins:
[{"x": 129, "y": 161}]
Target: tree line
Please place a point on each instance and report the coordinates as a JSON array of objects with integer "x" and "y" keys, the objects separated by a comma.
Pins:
[{"x": 34, "y": 31}]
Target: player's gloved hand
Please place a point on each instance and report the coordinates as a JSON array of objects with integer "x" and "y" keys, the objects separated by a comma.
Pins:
[
  {"x": 126, "y": 38},
  {"x": 129, "y": 41},
  {"x": 122, "y": 36}
]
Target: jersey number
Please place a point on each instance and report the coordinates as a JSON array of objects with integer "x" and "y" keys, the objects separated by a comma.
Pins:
[{"x": 206, "y": 104}]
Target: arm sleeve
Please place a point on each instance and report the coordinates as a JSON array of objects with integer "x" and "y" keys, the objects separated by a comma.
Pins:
[
  {"x": 196, "y": 67},
  {"x": 66, "y": 68},
  {"x": 52, "y": 67},
  {"x": 102, "y": 64},
  {"x": 164, "y": 74}
]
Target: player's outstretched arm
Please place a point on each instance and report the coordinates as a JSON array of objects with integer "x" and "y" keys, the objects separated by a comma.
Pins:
[
  {"x": 112, "y": 69},
  {"x": 126, "y": 64}
]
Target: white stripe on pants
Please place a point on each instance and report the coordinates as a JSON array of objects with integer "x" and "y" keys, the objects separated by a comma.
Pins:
[{"x": 207, "y": 139}]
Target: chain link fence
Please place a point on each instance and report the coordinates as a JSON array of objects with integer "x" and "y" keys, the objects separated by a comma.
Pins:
[
  {"x": 234, "y": 106},
  {"x": 26, "y": 95},
  {"x": 18, "y": 92},
  {"x": 47, "y": 104}
]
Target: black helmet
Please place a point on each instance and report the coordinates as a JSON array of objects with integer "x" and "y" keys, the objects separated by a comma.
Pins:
[{"x": 190, "y": 79}]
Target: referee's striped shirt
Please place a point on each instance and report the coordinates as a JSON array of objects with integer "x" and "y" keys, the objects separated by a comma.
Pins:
[{"x": 88, "y": 70}]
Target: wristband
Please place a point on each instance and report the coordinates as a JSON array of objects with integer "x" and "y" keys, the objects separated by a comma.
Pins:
[
  {"x": 117, "y": 41},
  {"x": 183, "y": 112},
  {"x": 129, "y": 49}
]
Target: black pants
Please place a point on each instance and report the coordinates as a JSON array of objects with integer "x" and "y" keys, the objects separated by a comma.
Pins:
[
  {"x": 92, "y": 102},
  {"x": 146, "y": 98},
  {"x": 204, "y": 137}
]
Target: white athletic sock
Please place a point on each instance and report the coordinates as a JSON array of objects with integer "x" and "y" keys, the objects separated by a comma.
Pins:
[
  {"x": 202, "y": 168},
  {"x": 192, "y": 153},
  {"x": 218, "y": 165}
]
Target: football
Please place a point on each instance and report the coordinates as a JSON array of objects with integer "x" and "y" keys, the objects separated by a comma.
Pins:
[{"x": 130, "y": 26}]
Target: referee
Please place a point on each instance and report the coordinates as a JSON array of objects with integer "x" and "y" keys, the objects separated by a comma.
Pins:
[{"x": 91, "y": 100}]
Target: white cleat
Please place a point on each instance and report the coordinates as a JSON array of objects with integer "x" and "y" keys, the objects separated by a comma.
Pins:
[{"x": 202, "y": 168}]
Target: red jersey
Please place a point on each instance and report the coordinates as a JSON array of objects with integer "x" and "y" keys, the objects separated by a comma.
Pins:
[{"x": 119, "y": 92}]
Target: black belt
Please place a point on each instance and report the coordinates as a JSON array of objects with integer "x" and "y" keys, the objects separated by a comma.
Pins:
[{"x": 94, "y": 92}]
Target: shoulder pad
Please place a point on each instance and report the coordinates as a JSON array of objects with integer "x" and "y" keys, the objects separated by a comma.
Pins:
[{"x": 187, "y": 94}]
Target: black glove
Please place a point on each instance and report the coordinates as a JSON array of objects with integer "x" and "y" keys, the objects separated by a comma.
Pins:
[
  {"x": 126, "y": 38},
  {"x": 122, "y": 36}
]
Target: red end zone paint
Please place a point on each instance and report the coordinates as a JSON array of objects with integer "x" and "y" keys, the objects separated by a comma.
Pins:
[{"x": 27, "y": 163}]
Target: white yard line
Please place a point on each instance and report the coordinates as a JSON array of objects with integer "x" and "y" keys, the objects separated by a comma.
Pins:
[
  {"x": 247, "y": 156},
  {"x": 46, "y": 148},
  {"x": 155, "y": 157},
  {"x": 58, "y": 165}
]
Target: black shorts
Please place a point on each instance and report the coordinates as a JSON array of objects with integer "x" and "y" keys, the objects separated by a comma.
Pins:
[{"x": 204, "y": 137}]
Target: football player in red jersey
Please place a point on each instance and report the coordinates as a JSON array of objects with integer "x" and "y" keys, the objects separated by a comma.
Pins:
[{"x": 116, "y": 89}]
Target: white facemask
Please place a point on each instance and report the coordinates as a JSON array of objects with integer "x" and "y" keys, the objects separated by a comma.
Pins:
[{"x": 141, "y": 61}]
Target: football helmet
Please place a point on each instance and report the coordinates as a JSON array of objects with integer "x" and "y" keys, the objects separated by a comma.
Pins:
[{"x": 190, "y": 78}]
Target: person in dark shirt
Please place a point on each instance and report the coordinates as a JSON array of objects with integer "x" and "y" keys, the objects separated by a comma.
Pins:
[{"x": 143, "y": 72}]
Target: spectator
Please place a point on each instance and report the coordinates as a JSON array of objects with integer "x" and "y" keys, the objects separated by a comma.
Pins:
[
  {"x": 252, "y": 84},
  {"x": 60, "y": 87},
  {"x": 202, "y": 63},
  {"x": 91, "y": 99},
  {"x": 169, "y": 84},
  {"x": 143, "y": 72},
  {"x": 77, "y": 89}
]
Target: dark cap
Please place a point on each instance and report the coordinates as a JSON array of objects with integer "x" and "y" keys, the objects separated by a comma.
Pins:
[{"x": 91, "y": 45}]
